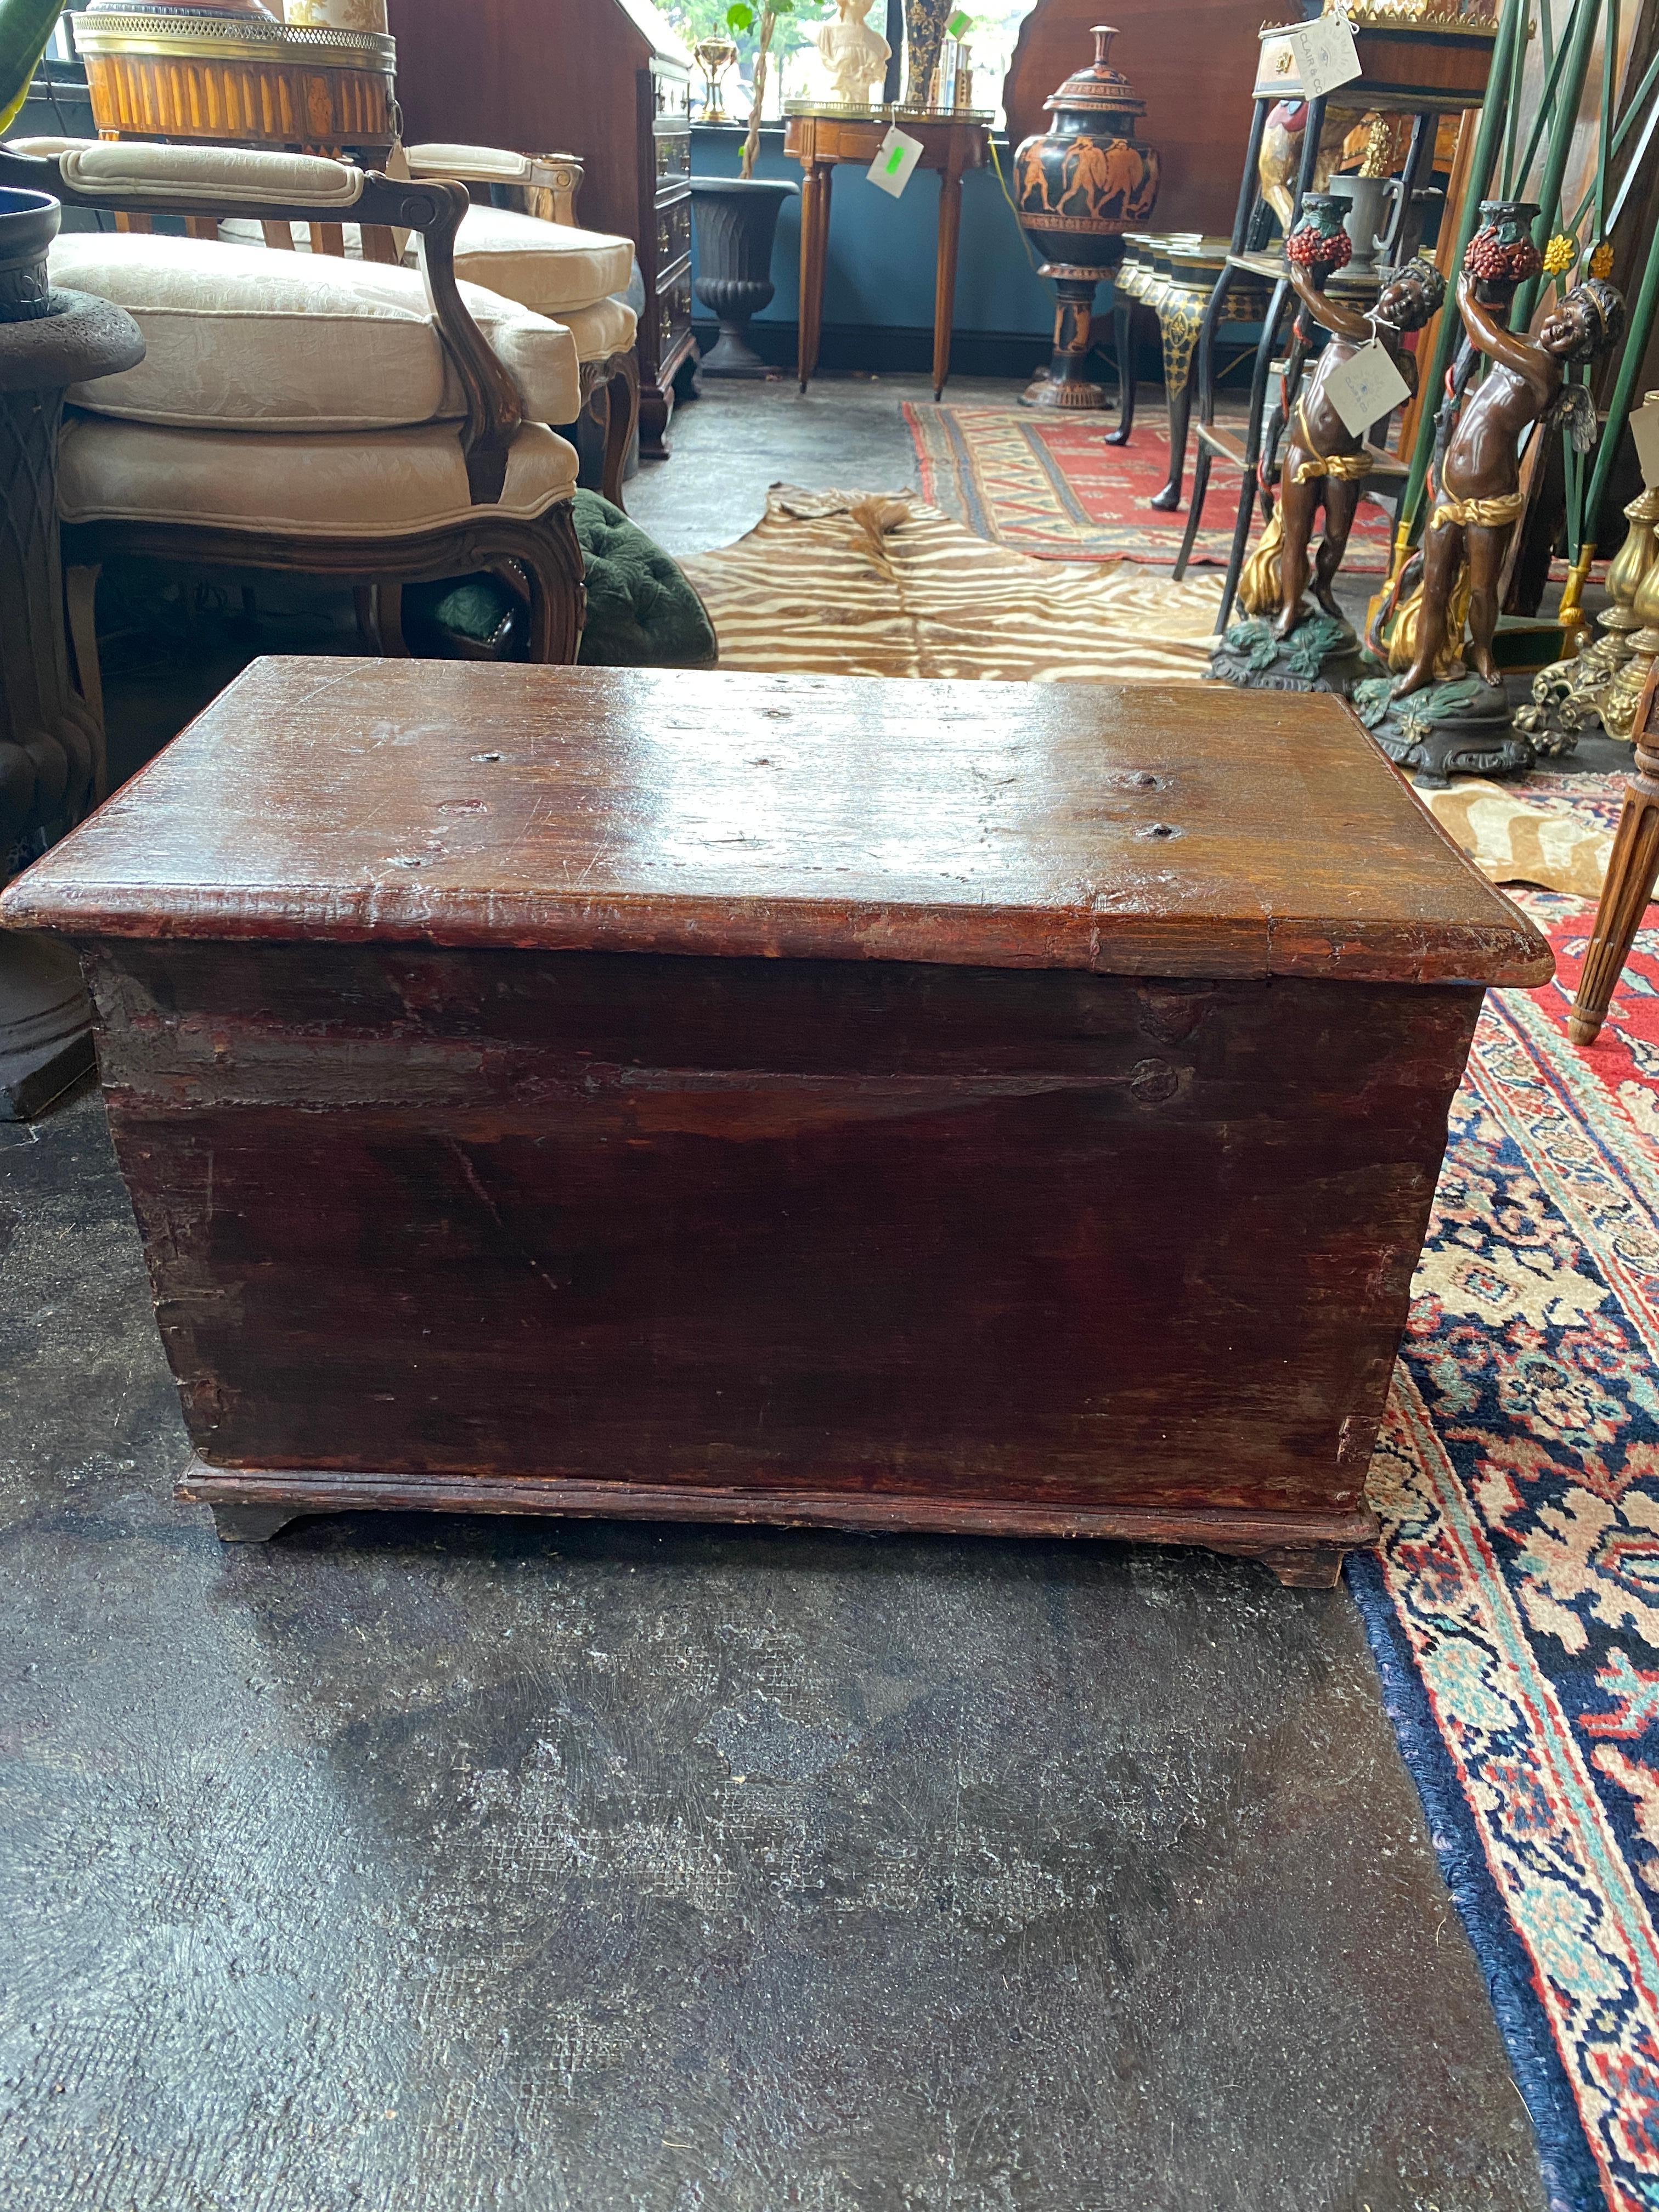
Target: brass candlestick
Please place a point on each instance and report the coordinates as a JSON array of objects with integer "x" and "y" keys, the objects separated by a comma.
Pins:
[
  {"x": 1568, "y": 696},
  {"x": 1625, "y": 692}
]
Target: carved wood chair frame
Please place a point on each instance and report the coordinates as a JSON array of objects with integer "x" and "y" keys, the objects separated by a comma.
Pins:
[
  {"x": 611, "y": 384},
  {"x": 544, "y": 550}
]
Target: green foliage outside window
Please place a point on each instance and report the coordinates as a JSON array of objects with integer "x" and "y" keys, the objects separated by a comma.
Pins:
[{"x": 762, "y": 33}]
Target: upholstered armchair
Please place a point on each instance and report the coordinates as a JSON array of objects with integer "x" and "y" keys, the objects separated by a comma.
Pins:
[
  {"x": 354, "y": 419},
  {"x": 523, "y": 243}
]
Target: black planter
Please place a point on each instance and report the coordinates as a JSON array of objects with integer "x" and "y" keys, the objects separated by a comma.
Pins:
[
  {"x": 51, "y": 740},
  {"x": 29, "y": 224},
  {"x": 737, "y": 221}
]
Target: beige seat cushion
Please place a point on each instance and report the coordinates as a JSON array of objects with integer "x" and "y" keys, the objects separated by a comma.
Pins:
[
  {"x": 608, "y": 326},
  {"x": 545, "y": 266},
  {"x": 244, "y": 338},
  {"x": 388, "y": 483}
]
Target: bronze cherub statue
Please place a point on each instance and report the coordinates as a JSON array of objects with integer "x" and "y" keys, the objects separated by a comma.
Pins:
[
  {"x": 1481, "y": 499},
  {"x": 1445, "y": 709},
  {"x": 1324, "y": 462},
  {"x": 1281, "y": 643}
]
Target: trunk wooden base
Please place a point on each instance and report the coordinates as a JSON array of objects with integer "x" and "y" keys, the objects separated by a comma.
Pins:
[{"x": 252, "y": 1505}]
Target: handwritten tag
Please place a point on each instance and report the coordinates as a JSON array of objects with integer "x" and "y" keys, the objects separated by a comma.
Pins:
[
  {"x": 1644, "y": 433},
  {"x": 895, "y": 158},
  {"x": 1326, "y": 55},
  {"x": 1364, "y": 388}
]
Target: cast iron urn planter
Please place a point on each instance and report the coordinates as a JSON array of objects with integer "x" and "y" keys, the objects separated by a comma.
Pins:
[
  {"x": 737, "y": 220},
  {"x": 1077, "y": 189},
  {"x": 50, "y": 740}
]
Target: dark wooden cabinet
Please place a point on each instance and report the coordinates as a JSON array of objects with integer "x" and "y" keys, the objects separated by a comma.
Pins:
[{"x": 604, "y": 79}]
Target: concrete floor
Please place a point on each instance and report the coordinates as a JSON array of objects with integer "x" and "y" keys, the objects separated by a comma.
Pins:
[
  {"x": 443, "y": 1865},
  {"x": 844, "y": 433}
]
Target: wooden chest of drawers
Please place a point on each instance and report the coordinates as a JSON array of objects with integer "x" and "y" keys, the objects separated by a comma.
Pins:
[
  {"x": 898, "y": 1105},
  {"x": 601, "y": 78}
]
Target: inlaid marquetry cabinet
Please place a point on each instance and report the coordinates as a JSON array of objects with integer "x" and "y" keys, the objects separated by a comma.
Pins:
[{"x": 605, "y": 79}]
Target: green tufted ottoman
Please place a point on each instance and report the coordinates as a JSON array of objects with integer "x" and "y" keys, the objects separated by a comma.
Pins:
[{"x": 641, "y": 611}]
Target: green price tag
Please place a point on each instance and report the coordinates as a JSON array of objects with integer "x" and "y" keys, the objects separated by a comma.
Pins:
[
  {"x": 895, "y": 160},
  {"x": 959, "y": 24}
]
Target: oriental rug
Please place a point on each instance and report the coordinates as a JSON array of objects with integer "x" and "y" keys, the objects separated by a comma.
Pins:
[
  {"x": 1513, "y": 1607},
  {"x": 1049, "y": 485}
]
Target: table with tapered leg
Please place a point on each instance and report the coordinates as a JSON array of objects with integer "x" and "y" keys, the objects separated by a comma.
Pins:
[
  {"x": 951, "y": 144},
  {"x": 1633, "y": 871}
]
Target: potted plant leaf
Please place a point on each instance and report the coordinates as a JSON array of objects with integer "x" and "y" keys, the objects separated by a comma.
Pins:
[
  {"x": 49, "y": 739},
  {"x": 737, "y": 217}
]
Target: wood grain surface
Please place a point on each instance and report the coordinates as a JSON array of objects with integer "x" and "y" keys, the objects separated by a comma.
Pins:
[
  {"x": 1140, "y": 829},
  {"x": 254, "y": 1504},
  {"x": 1067, "y": 1173},
  {"x": 976, "y": 1239},
  {"x": 536, "y": 78},
  {"x": 447, "y": 1863}
]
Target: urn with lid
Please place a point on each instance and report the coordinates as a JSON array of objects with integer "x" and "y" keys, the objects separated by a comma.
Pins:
[{"x": 1078, "y": 186}]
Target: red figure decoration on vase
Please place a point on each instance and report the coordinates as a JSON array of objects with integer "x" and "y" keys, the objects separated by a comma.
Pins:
[{"x": 1077, "y": 188}]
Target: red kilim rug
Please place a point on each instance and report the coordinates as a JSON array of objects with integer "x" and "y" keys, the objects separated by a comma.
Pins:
[
  {"x": 1513, "y": 1604},
  {"x": 1050, "y": 485}
]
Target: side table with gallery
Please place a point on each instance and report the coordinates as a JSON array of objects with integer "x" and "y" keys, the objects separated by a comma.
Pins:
[{"x": 823, "y": 138}]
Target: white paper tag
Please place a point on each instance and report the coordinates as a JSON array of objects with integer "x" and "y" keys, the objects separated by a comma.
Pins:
[
  {"x": 1364, "y": 388},
  {"x": 895, "y": 157},
  {"x": 1644, "y": 432},
  {"x": 1326, "y": 55}
]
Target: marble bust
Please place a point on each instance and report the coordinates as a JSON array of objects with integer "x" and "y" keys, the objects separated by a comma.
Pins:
[{"x": 855, "y": 56}]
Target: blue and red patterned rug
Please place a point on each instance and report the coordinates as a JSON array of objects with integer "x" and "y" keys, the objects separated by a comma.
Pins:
[
  {"x": 1051, "y": 486},
  {"x": 1514, "y": 1606}
]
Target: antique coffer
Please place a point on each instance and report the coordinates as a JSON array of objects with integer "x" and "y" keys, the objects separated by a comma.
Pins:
[{"x": 889, "y": 1104}]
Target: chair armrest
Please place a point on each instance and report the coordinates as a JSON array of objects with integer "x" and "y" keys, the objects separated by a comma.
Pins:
[
  {"x": 553, "y": 189},
  {"x": 473, "y": 165},
  {"x": 134, "y": 171},
  {"x": 45, "y": 149},
  {"x": 558, "y": 175}
]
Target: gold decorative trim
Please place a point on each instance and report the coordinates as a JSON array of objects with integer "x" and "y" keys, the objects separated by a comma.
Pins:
[
  {"x": 225, "y": 38},
  {"x": 1395, "y": 15},
  {"x": 1412, "y": 16},
  {"x": 916, "y": 113}
]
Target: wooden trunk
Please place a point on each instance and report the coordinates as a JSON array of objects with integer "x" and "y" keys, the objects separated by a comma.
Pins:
[
  {"x": 604, "y": 79},
  {"x": 895, "y": 1105}
]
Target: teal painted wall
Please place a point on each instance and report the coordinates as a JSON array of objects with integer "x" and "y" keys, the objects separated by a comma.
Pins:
[{"x": 880, "y": 270}]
